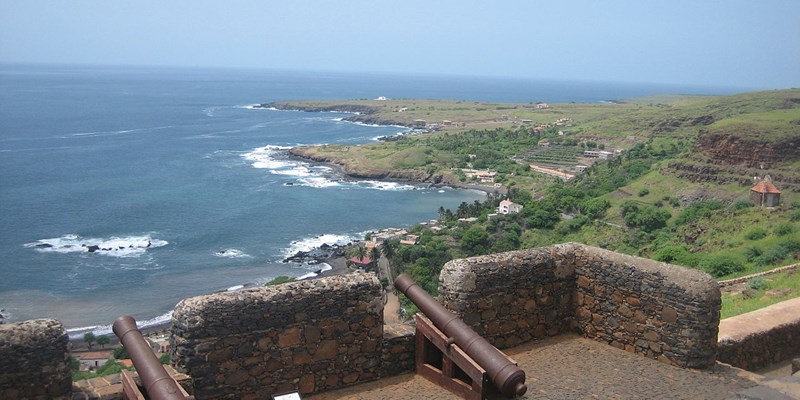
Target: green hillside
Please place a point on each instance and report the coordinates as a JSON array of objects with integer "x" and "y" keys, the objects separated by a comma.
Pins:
[{"x": 676, "y": 189}]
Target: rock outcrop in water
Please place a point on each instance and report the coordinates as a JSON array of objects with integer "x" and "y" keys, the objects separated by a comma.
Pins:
[{"x": 316, "y": 255}]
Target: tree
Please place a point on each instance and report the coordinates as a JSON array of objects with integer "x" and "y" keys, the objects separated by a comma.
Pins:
[
  {"x": 120, "y": 353},
  {"x": 89, "y": 338},
  {"x": 389, "y": 249},
  {"x": 594, "y": 208},
  {"x": 103, "y": 341},
  {"x": 648, "y": 218},
  {"x": 375, "y": 255},
  {"x": 475, "y": 241},
  {"x": 360, "y": 252}
]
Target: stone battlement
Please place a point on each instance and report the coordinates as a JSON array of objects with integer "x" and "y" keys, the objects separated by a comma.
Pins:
[
  {"x": 319, "y": 335},
  {"x": 659, "y": 310}
]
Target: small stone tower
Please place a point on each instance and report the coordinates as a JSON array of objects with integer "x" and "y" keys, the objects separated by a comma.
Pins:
[{"x": 765, "y": 193}]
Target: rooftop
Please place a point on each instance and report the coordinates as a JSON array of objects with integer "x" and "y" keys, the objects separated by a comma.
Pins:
[{"x": 765, "y": 186}]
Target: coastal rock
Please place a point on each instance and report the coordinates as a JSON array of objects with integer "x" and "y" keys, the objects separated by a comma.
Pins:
[{"x": 317, "y": 255}]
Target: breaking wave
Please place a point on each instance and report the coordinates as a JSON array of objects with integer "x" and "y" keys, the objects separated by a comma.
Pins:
[
  {"x": 125, "y": 246},
  {"x": 103, "y": 330},
  {"x": 313, "y": 242},
  {"x": 232, "y": 253}
]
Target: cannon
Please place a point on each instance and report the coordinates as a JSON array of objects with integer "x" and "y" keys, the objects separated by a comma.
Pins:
[
  {"x": 506, "y": 376},
  {"x": 158, "y": 384}
]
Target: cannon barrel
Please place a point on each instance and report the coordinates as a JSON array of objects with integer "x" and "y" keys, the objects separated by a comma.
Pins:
[
  {"x": 157, "y": 382},
  {"x": 508, "y": 378}
]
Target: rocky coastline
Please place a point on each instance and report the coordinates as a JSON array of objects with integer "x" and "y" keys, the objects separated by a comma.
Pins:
[
  {"x": 362, "y": 113},
  {"x": 318, "y": 255}
]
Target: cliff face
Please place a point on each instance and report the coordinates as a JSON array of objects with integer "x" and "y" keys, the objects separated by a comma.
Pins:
[
  {"x": 730, "y": 149},
  {"x": 724, "y": 157}
]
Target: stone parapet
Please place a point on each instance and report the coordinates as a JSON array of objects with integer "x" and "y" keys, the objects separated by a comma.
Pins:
[
  {"x": 659, "y": 310},
  {"x": 511, "y": 298},
  {"x": 759, "y": 338},
  {"x": 34, "y": 360},
  {"x": 397, "y": 356},
  {"x": 305, "y": 336}
]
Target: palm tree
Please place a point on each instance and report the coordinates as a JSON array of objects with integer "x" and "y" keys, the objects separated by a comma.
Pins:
[
  {"x": 375, "y": 255},
  {"x": 389, "y": 249},
  {"x": 360, "y": 252}
]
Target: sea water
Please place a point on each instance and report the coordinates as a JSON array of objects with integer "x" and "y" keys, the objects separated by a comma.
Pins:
[{"x": 124, "y": 190}]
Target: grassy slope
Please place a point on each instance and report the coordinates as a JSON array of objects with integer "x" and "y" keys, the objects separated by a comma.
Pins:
[{"x": 660, "y": 121}]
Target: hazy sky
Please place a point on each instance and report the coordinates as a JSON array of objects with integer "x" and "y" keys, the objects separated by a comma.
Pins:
[{"x": 750, "y": 43}]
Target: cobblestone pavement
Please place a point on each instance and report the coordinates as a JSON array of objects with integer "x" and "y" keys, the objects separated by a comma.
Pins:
[{"x": 571, "y": 367}]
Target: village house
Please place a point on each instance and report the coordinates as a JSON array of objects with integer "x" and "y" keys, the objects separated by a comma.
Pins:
[
  {"x": 542, "y": 105},
  {"x": 410, "y": 240},
  {"x": 765, "y": 193},
  {"x": 509, "y": 207},
  {"x": 419, "y": 124},
  {"x": 159, "y": 344},
  {"x": 601, "y": 154},
  {"x": 485, "y": 176},
  {"x": 361, "y": 263},
  {"x": 93, "y": 359},
  {"x": 387, "y": 234}
]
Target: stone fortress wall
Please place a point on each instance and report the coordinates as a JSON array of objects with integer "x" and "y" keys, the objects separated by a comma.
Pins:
[
  {"x": 762, "y": 337},
  {"x": 306, "y": 336},
  {"x": 328, "y": 333},
  {"x": 323, "y": 334},
  {"x": 34, "y": 360},
  {"x": 661, "y": 311}
]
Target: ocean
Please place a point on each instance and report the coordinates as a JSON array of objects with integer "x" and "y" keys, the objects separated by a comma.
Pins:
[{"x": 180, "y": 187}]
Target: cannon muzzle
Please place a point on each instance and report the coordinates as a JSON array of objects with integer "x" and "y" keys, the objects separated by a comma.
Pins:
[
  {"x": 507, "y": 377},
  {"x": 157, "y": 382}
]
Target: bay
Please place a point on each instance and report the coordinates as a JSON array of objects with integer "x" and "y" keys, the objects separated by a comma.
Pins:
[{"x": 184, "y": 188}]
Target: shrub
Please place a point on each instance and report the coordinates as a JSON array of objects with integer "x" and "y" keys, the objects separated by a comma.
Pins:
[
  {"x": 773, "y": 255},
  {"x": 575, "y": 224},
  {"x": 741, "y": 204},
  {"x": 758, "y": 283},
  {"x": 280, "y": 280},
  {"x": 671, "y": 253},
  {"x": 791, "y": 244},
  {"x": 648, "y": 218},
  {"x": 783, "y": 229},
  {"x": 644, "y": 192},
  {"x": 721, "y": 264},
  {"x": 795, "y": 216},
  {"x": 697, "y": 210},
  {"x": 755, "y": 233},
  {"x": 752, "y": 252},
  {"x": 594, "y": 208}
]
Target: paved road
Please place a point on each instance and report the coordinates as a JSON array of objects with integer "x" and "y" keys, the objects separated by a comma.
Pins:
[{"x": 571, "y": 367}]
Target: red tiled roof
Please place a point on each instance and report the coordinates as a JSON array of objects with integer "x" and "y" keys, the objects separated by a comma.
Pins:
[
  {"x": 95, "y": 355},
  {"x": 362, "y": 261},
  {"x": 765, "y": 186},
  {"x": 127, "y": 363}
]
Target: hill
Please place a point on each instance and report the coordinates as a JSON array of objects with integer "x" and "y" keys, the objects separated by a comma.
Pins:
[{"x": 667, "y": 177}]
